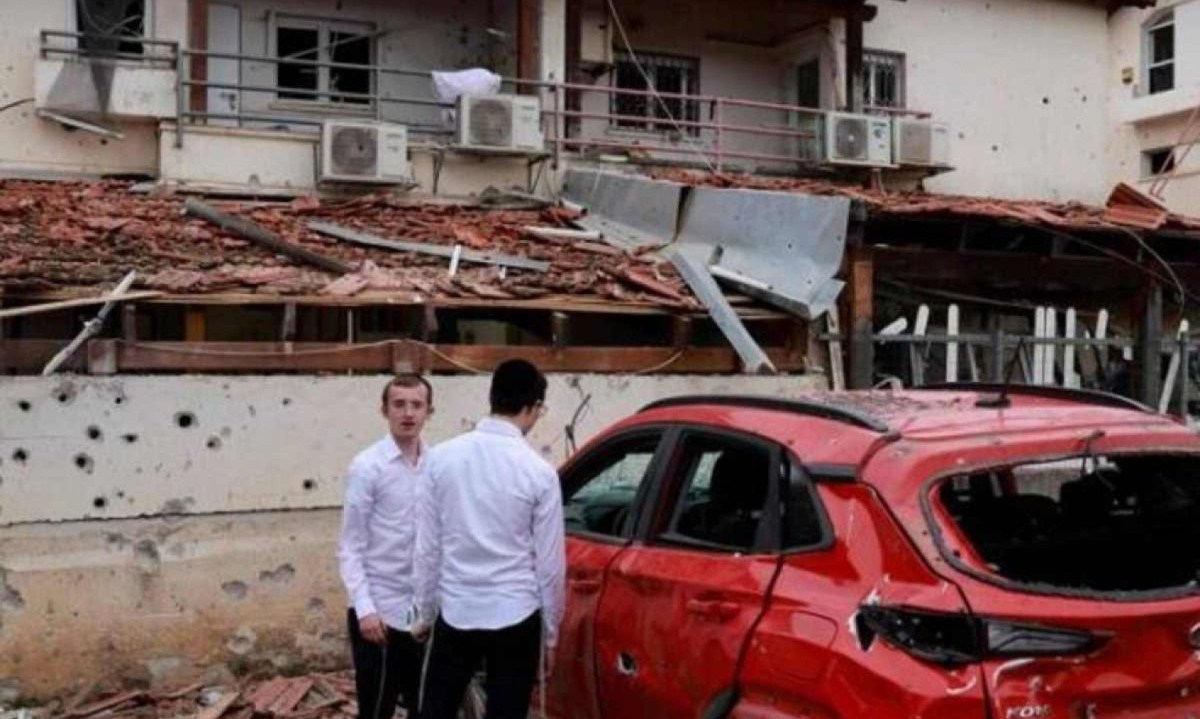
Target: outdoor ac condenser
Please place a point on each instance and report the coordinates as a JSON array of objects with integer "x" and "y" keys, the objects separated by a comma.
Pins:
[
  {"x": 500, "y": 122},
  {"x": 922, "y": 143},
  {"x": 852, "y": 139},
  {"x": 364, "y": 152}
]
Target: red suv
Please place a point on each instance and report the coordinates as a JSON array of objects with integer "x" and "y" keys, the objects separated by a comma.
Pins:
[{"x": 952, "y": 552}]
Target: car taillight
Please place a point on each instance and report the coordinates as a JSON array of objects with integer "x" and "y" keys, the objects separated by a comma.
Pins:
[{"x": 952, "y": 639}]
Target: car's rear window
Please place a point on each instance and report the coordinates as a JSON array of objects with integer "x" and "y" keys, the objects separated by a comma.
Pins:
[{"x": 1118, "y": 523}]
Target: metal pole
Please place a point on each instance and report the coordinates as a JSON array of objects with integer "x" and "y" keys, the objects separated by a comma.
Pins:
[
  {"x": 1185, "y": 349},
  {"x": 181, "y": 86},
  {"x": 997, "y": 347},
  {"x": 717, "y": 122}
]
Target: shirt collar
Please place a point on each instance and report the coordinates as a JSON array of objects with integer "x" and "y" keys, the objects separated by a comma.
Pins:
[
  {"x": 493, "y": 425},
  {"x": 392, "y": 451}
]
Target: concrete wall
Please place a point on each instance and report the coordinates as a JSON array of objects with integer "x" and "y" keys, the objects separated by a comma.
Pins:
[
  {"x": 233, "y": 567},
  {"x": 32, "y": 145},
  {"x": 1022, "y": 83},
  {"x": 1142, "y": 122}
]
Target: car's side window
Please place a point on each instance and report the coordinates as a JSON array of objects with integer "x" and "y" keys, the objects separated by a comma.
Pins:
[
  {"x": 723, "y": 483},
  {"x": 804, "y": 524},
  {"x": 599, "y": 491}
]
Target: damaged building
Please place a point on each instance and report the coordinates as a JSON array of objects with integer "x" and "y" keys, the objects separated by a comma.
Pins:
[{"x": 646, "y": 199}]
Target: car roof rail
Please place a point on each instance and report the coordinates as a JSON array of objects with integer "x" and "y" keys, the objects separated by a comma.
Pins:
[
  {"x": 1086, "y": 396},
  {"x": 810, "y": 408}
]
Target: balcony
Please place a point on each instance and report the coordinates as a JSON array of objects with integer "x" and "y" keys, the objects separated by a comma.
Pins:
[{"x": 92, "y": 76}]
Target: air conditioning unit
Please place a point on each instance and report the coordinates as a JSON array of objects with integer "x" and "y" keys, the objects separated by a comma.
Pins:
[
  {"x": 852, "y": 139},
  {"x": 500, "y": 122},
  {"x": 921, "y": 143},
  {"x": 364, "y": 152}
]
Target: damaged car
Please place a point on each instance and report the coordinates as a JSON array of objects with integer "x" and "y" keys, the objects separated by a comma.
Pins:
[{"x": 951, "y": 552}]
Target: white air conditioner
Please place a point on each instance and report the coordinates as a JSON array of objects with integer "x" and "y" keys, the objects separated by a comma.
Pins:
[
  {"x": 364, "y": 152},
  {"x": 500, "y": 122},
  {"x": 852, "y": 139},
  {"x": 921, "y": 142}
]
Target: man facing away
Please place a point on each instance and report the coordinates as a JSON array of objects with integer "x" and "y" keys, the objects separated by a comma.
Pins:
[
  {"x": 375, "y": 552},
  {"x": 490, "y": 555}
]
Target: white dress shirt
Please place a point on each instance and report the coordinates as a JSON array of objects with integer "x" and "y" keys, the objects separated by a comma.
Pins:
[
  {"x": 490, "y": 548},
  {"x": 376, "y": 545}
]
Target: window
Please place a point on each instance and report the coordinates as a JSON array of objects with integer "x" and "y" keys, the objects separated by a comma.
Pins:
[
  {"x": 114, "y": 25},
  {"x": 599, "y": 495},
  {"x": 1116, "y": 523},
  {"x": 1159, "y": 53},
  {"x": 670, "y": 74},
  {"x": 310, "y": 41},
  {"x": 722, "y": 493},
  {"x": 808, "y": 84},
  {"x": 883, "y": 79},
  {"x": 1158, "y": 162}
]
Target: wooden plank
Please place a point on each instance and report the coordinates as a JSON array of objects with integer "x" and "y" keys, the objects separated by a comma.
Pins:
[
  {"x": 255, "y": 357},
  {"x": 837, "y": 370},
  {"x": 259, "y": 235},
  {"x": 446, "y": 251},
  {"x": 106, "y": 704},
  {"x": 219, "y": 707},
  {"x": 862, "y": 318},
  {"x": 30, "y": 356},
  {"x": 560, "y": 330},
  {"x": 129, "y": 322},
  {"x": 287, "y": 330},
  {"x": 296, "y": 690},
  {"x": 951, "y": 345},
  {"x": 267, "y": 694},
  {"x": 74, "y": 303}
]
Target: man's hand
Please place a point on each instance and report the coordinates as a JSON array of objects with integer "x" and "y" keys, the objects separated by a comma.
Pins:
[
  {"x": 420, "y": 631},
  {"x": 373, "y": 629}
]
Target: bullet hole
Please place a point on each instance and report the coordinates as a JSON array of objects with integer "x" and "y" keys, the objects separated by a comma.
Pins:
[
  {"x": 316, "y": 604},
  {"x": 178, "y": 506},
  {"x": 118, "y": 400},
  {"x": 24, "y": 405},
  {"x": 309, "y": 485},
  {"x": 282, "y": 575},
  {"x": 1085, "y": 98},
  {"x": 235, "y": 590},
  {"x": 214, "y": 442},
  {"x": 94, "y": 433},
  {"x": 120, "y": 495},
  {"x": 100, "y": 502},
  {"x": 84, "y": 462},
  {"x": 995, "y": 148},
  {"x": 20, "y": 455},
  {"x": 129, "y": 438},
  {"x": 1045, "y": 101},
  {"x": 185, "y": 420},
  {"x": 287, "y": 401}
]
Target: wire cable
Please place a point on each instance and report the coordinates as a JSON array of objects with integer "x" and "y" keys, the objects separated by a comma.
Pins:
[{"x": 685, "y": 134}]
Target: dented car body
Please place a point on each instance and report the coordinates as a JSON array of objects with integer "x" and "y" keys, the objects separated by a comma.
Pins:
[{"x": 933, "y": 553}]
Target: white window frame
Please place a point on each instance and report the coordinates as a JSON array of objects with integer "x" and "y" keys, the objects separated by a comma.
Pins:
[
  {"x": 324, "y": 27},
  {"x": 650, "y": 61},
  {"x": 872, "y": 61},
  {"x": 1166, "y": 18}
]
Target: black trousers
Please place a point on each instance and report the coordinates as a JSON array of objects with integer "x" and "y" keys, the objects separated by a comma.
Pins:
[
  {"x": 381, "y": 675},
  {"x": 510, "y": 657}
]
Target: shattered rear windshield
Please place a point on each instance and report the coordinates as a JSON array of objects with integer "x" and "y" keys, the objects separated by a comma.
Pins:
[{"x": 1117, "y": 524}]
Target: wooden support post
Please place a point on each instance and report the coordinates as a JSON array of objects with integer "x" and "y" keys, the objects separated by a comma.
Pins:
[
  {"x": 351, "y": 326},
  {"x": 129, "y": 322},
  {"x": 195, "y": 325},
  {"x": 855, "y": 14},
  {"x": 429, "y": 324},
  {"x": 997, "y": 347},
  {"x": 862, "y": 318},
  {"x": 681, "y": 331},
  {"x": 287, "y": 331},
  {"x": 560, "y": 330},
  {"x": 1148, "y": 359},
  {"x": 527, "y": 43},
  {"x": 198, "y": 40}
]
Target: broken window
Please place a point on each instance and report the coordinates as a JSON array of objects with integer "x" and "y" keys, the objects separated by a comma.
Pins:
[
  {"x": 1159, "y": 53},
  {"x": 1158, "y": 162},
  {"x": 325, "y": 57},
  {"x": 1107, "y": 524},
  {"x": 111, "y": 27},
  {"x": 883, "y": 79},
  {"x": 662, "y": 73},
  {"x": 599, "y": 495},
  {"x": 723, "y": 492}
]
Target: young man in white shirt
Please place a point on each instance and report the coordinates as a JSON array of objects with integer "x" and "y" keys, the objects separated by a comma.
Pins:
[
  {"x": 490, "y": 555},
  {"x": 375, "y": 552}
]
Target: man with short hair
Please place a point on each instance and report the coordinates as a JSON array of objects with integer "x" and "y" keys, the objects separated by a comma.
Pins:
[
  {"x": 375, "y": 552},
  {"x": 490, "y": 555}
]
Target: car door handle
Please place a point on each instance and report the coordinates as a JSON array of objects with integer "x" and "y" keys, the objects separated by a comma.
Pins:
[
  {"x": 585, "y": 586},
  {"x": 712, "y": 609}
]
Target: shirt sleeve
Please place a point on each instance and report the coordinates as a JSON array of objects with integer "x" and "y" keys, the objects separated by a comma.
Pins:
[
  {"x": 356, "y": 534},
  {"x": 427, "y": 552},
  {"x": 550, "y": 556}
]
